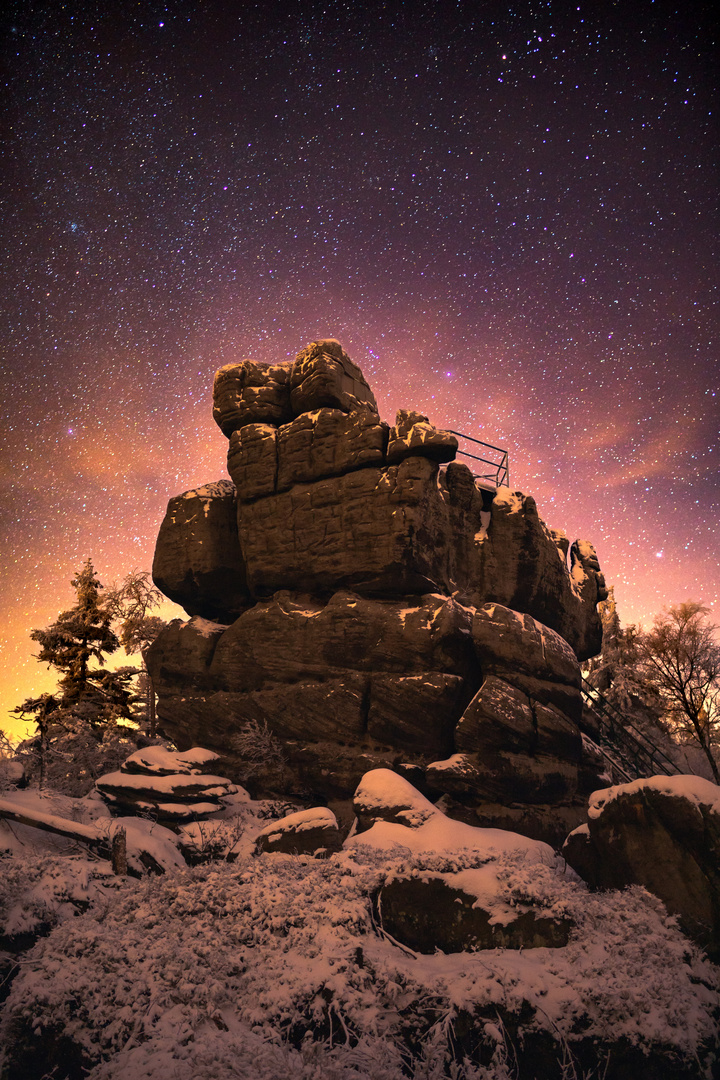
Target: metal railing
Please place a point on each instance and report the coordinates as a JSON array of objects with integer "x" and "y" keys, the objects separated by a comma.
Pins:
[
  {"x": 499, "y": 465},
  {"x": 634, "y": 747}
]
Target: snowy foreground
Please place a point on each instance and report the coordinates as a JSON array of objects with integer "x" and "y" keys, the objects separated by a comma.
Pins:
[{"x": 278, "y": 966}]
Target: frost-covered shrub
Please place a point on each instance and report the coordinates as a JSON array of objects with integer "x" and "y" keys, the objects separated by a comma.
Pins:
[
  {"x": 276, "y": 961},
  {"x": 203, "y": 841},
  {"x": 74, "y": 759},
  {"x": 258, "y": 754},
  {"x": 37, "y": 892}
]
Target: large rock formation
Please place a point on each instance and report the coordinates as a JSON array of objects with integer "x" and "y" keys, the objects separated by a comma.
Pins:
[{"x": 368, "y": 605}]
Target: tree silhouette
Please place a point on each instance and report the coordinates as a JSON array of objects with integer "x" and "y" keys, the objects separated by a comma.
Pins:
[
  {"x": 681, "y": 658},
  {"x": 130, "y": 605},
  {"x": 78, "y": 636}
]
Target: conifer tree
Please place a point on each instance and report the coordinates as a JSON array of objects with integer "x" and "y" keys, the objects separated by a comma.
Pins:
[{"x": 78, "y": 636}]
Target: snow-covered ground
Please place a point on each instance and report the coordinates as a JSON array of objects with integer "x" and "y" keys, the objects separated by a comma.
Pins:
[{"x": 275, "y": 966}]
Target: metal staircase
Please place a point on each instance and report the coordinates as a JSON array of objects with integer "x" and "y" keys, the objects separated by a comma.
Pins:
[{"x": 630, "y": 751}]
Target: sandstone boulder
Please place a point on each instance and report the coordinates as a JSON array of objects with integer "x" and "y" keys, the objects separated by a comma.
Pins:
[
  {"x": 329, "y": 442},
  {"x": 385, "y": 530},
  {"x": 663, "y": 833},
  {"x": 294, "y": 636},
  {"x": 461, "y": 909},
  {"x": 393, "y": 673},
  {"x": 324, "y": 376},
  {"x": 307, "y": 832},
  {"x": 252, "y": 461},
  {"x": 308, "y": 521},
  {"x": 548, "y": 822},
  {"x": 415, "y": 712},
  {"x": 333, "y": 708},
  {"x": 169, "y": 786},
  {"x": 588, "y": 582},
  {"x": 377, "y": 607},
  {"x": 511, "y": 641},
  {"x": 515, "y": 563},
  {"x": 507, "y": 777},
  {"x": 251, "y": 393},
  {"x": 463, "y": 912},
  {"x": 380, "y": 677},
  {"x": 179, "y": 658},
  {"x": 198, "y": 562},
  {"x": 501, "y": 717},
  {"x": 158, "y": 761},
  {"x": 413, "y": 434},
  {"x": 384, "y": 795}
]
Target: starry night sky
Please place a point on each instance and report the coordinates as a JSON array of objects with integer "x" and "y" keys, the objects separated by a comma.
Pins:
[{"x": 505, "y": 212}]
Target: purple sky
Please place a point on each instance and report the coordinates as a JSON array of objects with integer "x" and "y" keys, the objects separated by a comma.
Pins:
[{"x": 507, "y": 217}]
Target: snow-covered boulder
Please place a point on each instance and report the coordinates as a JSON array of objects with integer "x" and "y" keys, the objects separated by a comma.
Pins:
[
  {"x": 168, "y": 786},
  {"x": 362, "y": 595},
  {"x": 662, "y": 832},
  {"x": 157, "y": 761},
  {"x": 305, "y": 832},
  {"x": 464, "y": 911},
  {"x": 149, "y": 846},
  {"x": 384, "y": 795},
  {"x": 457, "y": 899}
]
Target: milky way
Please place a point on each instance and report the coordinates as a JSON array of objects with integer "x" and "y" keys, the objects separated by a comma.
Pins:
[{"x": 506, "y": 216}]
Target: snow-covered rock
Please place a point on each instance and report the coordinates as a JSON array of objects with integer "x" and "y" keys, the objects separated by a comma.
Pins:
[
  {"x": 168, "y": 786},
  {"x": 157, "y": 761},
  {"x": 464, "y": 911},
  {"x": 399, "y": 590},
  {"x": 461, "y": 908},
  {"x": 384, "y": 795},
  {"x": 662, "y": 832},
  {"x": 302, "y": 833}
]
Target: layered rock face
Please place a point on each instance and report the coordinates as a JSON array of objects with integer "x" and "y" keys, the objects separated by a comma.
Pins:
[{"x": 361, "y": 594}]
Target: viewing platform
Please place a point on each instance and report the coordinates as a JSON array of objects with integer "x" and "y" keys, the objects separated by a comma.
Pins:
[{"x": 496, "y": 466}]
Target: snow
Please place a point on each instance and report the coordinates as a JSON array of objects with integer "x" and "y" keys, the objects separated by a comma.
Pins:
[
  {"x": 382, "y": 790},
  {"x": 89, "y": 833},
  {"x": 485, "y": 884},
  {"x": 147, "y": 837},
  {"x": 156, "y": 759},
  {"x": 421, "y": 827},
  {"x": 319, "y": 817},
  {"x": 456, "y": 763},
  {"x": 218, "y": 971},
  {"x": 170, "y": 784},
  {"x": 206, "y": 629},
  {"x": 439, "y": 834},
  {"x": 214, "y": 490},
  {"x": 143, "y": 837},
  {"x": 485, "y": 519},
  {"x": 506, "y": 498},
  {"x": 695, "y": 789},
  {"x": 180, "y": 810}
]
